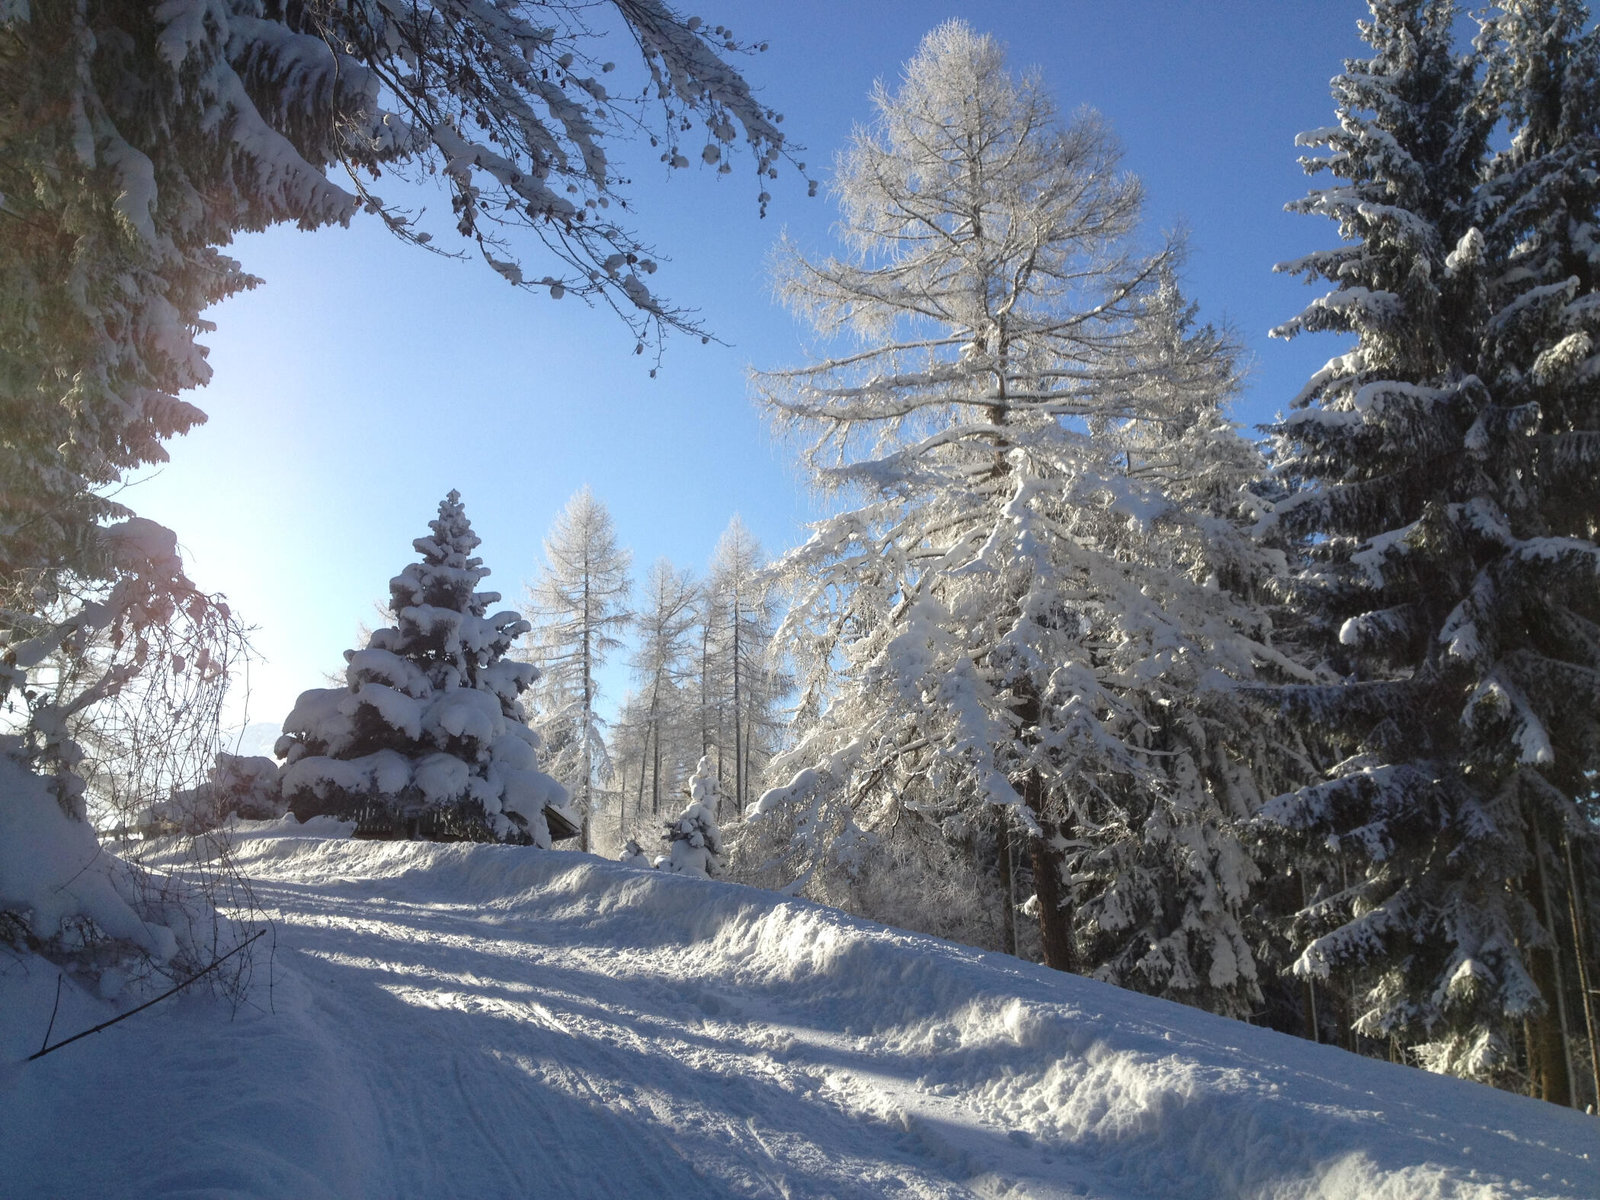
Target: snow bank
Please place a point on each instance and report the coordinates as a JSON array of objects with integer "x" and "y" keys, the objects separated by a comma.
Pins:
[
  {"x": 52, "y": 869},
  {"x": 492, "y": 1021}
]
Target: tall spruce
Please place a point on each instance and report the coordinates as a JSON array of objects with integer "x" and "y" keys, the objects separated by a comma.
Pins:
[
  {"x": 428, "y": 736},
  {"x": 1447, "y": 503}
]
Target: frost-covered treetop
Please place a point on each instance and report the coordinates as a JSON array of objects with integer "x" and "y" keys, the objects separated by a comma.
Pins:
[
  {"x": 991, "y": 279},
  {"x": 448, "y": 574},
  {"x": 442, "y": 624}
]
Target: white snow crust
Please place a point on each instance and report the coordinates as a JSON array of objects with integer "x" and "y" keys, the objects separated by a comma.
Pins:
[{"x": 475, "y": 1021}]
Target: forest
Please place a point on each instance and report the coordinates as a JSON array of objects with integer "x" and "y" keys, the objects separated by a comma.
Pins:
[{"x": 1298, "y": 725}]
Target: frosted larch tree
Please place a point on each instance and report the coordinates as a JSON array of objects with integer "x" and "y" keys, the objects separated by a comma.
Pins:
[
  {"x": 664, "y": 629},
  {"x": 740, "y": 684},
  {"x": 984, "y": 630},
  {"x": 579, "y": 608}
]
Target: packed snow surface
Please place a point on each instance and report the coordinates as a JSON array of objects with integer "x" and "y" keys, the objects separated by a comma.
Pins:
[{"x": 487, "y": 1021}]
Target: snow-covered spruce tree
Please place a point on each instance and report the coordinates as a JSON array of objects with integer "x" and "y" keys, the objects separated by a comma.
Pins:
[
  {"x": 579, "y": 609},
  {"x": 1449, "y": 505},
  {"x": 1538, "y": 212},
  {"x": 1007, "y": 618},
  {"x": 1166, "y": 879},
  {"x": 428, "y": 737},
  {"x": 694, "y": 843}
]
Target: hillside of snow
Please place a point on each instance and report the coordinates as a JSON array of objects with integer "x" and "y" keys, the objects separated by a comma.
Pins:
[{"x": 481, "y": 1021}]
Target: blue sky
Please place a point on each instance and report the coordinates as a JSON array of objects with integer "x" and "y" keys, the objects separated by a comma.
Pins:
[{"x": 366, "y": 378}]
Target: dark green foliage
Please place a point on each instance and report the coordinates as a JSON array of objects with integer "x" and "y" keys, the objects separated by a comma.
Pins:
[{"x": 1448, "y": 517}]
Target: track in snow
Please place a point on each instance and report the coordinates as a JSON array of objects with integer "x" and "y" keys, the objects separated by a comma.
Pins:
[{"x": 485, "y": 1022}]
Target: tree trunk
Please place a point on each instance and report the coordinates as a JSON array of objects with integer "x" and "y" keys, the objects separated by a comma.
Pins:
[
  {"x": 1049, "y": 883},
  {"x": 738, "y": 715},
  {"x": 1008, "y": 886},
  {"x": 1055, "y": 922},
  {"x": 588, "y": 714},
  {"x": 1580, "y": 944},
  {"x": 638, "y": 804},
  {"x": 1548, "y": 1065},
  {"x": 655, "y": 777},
  {"x": 705, "y": 684}
]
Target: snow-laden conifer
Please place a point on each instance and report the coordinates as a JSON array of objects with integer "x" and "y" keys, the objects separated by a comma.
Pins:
[
  {"x": 694, "y": 843},
  {"x": 1449, "y": 507},
  {"x": 1018, "y": 598},
  {"x": 428, "y": 736}
]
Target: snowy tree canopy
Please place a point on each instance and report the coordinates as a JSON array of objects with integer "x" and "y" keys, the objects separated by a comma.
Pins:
[
  {"x": 995, "y": 640},
  {"x": 1449, "y": 511},
  {"x": 428, "y": 735}
]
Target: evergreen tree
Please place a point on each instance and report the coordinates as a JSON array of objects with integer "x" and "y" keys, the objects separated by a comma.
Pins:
[
  {"x": 580, "y": 606},
  {"x": 1449, "y": 521},
  {"x": 994, "y": 631},
  {"x": 1538, "y": 212},
  {"x": 694, "y": 843},
  {"x": 428, "y": 736},
  {"x": 1166, "y": 877}
]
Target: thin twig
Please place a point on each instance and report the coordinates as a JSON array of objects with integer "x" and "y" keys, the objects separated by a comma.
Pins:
[
  {"x": 169, "y": 992},
  {"x": 54, "y": 1008}
]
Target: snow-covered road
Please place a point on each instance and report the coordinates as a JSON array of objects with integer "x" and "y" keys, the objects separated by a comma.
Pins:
[{"x": 482, "y": 1021}]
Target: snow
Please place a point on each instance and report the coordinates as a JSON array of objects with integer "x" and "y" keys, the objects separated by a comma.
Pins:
[
  {"x": 469, "y": 1020},
  {"x": 52, "y": 867}
]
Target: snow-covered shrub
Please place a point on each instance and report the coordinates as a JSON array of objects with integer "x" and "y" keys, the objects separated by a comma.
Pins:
[
  {"x": 428, "y": 736},
  {"x": 633, "y": 855},
  {"x": 694, "y": 843},
  {"x": 236, "y": 786}
]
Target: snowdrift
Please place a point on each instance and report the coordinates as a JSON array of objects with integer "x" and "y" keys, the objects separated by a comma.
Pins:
[{"x": 492, "y": 1021}]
